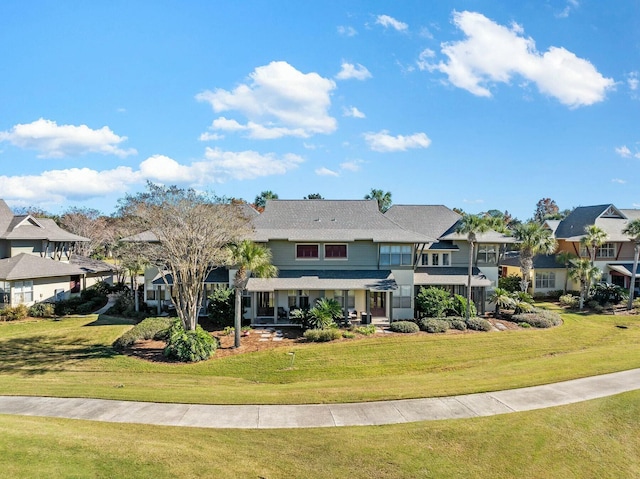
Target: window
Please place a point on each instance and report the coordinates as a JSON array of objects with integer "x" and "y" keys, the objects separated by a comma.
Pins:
[
  {"x": 23, "y": 292},
  {"x": 545, "y": 280},
  {"x": 487, "y": 253},
  {"x": 246, "y": 299},
  {"x": 335, "y": 251},
  {"x": 298, "y": 298},
  {"x": 153, "y": 294},
  {"x": 395, "y": 255},
  {"x": 437, "y": 259},
  {"x": 607, "y": 250},
  {"x": 402, "y": 297},
  {"x": 75, "y": 284},
  {"x": 307, "y": 251},
  {"x": 338, "y": 295}
]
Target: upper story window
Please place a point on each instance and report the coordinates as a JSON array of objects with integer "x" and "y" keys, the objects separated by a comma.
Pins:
[
  {"x": 396, "y": 255},
  {"x": 487, "y": 253},
  {"x": 436, "y": 259},
  {"x": 335, "y": 251},
  {"x": 307, "y": 251},
  {"x": 607, "y": 250}
]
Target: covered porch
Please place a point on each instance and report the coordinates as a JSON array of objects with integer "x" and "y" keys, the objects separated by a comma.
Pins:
[{"x": 365, "y": 295}]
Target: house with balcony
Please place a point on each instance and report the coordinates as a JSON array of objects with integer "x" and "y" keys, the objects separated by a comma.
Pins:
[{"x": 37, "y": 261}]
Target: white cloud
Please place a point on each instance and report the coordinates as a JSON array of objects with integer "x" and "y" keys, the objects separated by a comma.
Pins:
[
  {"x": 389, "y": 22},
  {"x": 473, "y": 202},
  {"x": 618, "y": 180},
  {"x": 353, "y": 165},
  {"x": 353, "y": 112},
  {"x": 493, "y": 53},
  {"x": 57, "y": 141},
  {"x": 164, "y": 169},
  {"x": 623, "y": 151},
  {"x": 244, "y": 165},
  {"x": 633, "y": 81},
  {"x": 384, "y": 142},
  {"x": 325, "y": 172},
  {"x": 74, "y": 183},
  {"x": 347, "y": 31},
  {"x": 350, "y": 71},
  {"x": 207, "y": 136},
  {"x": 278, "y": 101}
]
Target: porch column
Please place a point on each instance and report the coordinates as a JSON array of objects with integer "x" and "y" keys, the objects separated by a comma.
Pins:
[
  {"x": 158, "y": 302},
  {"x": 345, "y": 305},
  {"x": 390, "y": 306},
  {"x": 367, "y": 303}
]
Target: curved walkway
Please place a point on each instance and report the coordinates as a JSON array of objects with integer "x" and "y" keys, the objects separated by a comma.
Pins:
[{"x": 325, "y": 415}]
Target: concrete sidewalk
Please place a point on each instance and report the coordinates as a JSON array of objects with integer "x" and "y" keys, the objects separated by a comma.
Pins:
[{"x": 325, "y": 415}]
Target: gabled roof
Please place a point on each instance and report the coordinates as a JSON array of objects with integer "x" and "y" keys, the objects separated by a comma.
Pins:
[
  {"x": 26, "y": 227},
  {"x": 611, "y": 219},
  {"x": 552, "y": 225},
  {"x": 430, "y": 220},
  {"x": 27, "y": 266},
  {"x": 90, "y": 265},
  {"x": 330, "y": 220}
]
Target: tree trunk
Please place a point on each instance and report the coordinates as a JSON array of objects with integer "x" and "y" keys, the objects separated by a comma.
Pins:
[
  {"x": 238, "y": 317},
  {"x": 470, "y": 270},
  {"x": 632, "y": 283}
]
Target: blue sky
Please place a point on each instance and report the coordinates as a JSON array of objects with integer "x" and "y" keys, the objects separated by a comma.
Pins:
[{"x": 472, "y": 104}]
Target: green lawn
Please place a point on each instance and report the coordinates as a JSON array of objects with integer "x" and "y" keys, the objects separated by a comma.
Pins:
[
  {"x": 73, "y": 358},
  {"x": 591, "y": 440}
]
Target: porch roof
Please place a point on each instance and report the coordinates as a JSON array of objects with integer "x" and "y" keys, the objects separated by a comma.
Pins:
[
  {"x": 218, "y": 275},
  {"x": 372, "y": 280},
  {"x": 434, "y": 276},
  {"x": 26, "y": 266},
  {"x": 624, "y": 269}
]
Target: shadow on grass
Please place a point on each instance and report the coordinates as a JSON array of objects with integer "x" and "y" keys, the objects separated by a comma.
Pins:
[
  {"x": 41, "y": 354},
  {"x": 106, "y": 320}
]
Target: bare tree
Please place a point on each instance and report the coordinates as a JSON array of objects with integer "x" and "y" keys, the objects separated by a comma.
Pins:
[
  {"x": 192, "y": 232},
  {"x": 90, "y": 223}
]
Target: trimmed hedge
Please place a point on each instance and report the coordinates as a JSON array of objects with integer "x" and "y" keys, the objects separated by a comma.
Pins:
[
  {"x": 539, "y": 318},
  {"x": 478, "y": 324},
  {"x": 404, "y": 327},
  {"x": 150, "y": 328},
  {"x": 322, "y": 335},
  {"x": 434, "y": 325},
  {"x": 189, "y": 346}
]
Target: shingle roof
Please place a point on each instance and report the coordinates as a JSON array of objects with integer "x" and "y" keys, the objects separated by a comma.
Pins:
[
  {"x": 330, "y": 220},
  {"x": 453, "y": 275},
  {"x": 90, "y": 265},
  {"x": 26, "y": 227},
  {"x": 217, "y": 275},
  {"x": 27, "y": 266},
  {"x": 572, "y": 228},
  {"x": 540, "y": 261},
  {"x": 430, "y": 220},
  {"x": 372, "y": 280}
]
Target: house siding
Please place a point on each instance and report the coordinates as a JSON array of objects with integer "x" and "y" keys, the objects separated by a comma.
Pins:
[{"x": 360, "y": 255}]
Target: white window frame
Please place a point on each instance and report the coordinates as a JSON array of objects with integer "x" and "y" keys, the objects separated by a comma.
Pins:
[
  {"x": 608, "y": 248},
  {"x": 483, "y": 253},
  {"x": 545, "y": 280},
  {"x": 22, "y": 292},
  {"x": 402, "y": 251},
  {"x": 402, "y": 297},
  {"x": 444, "y": 259}
]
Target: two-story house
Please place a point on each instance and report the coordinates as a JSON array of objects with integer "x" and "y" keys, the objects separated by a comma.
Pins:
[
  {"x": 444, "y": 263},
  {"x": 341, "y": 249},
  {"x": 36, "y": 261},
  {"x": 614, "y": 257}
]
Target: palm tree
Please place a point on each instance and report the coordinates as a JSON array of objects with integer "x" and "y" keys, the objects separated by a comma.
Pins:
[
  {"x": 471, "y": 225},
  {"x": 502, "y": 299},
  {"x": 250, "y": 259},
  {"x": 594, "y": 237},
  {"x": 633, "y": 231},
  {"x": 585, "y": 273},
  {"x": 261, "y": 199},
  {"x": 383, "y": 198},
  {"x": 532, "y": 239},
  {"x": 564, "y": 258}
]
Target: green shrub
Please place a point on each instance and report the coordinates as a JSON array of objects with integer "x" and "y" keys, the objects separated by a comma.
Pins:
[
  {"x": 458, "y": 323},
  {"x": 14, "y": 313},
  {"x": 150, "y": 328},
  {"x": 124, "y": 306},
  {"x": 348, "y": 334},
  {"x": 459, "y": 307},
  {"x": 404, "y": 327},
  {"x": 221, "y": 307},
  {"x": 539, "y": 318},
  {"x": 433, "y": 325},
  {"x": 478, "y": 324},
  {"x": 42, "y": 310},
  {"x": 569, "y": 301},
  {"x": 366, "y": 330},
  {"x": 636, "y": 303},
  {"x": 189, "y": 346},
  {"x": 326, "y": 313},
  {"x": 322, "y": 335},
  {"x": 433, "y": 302},
  {"x": 511, "y": 283}
]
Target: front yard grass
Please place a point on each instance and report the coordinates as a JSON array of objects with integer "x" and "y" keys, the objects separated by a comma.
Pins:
[
  {"x": 73, "y": 357},
  {"x": 591, "y": 440}
]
